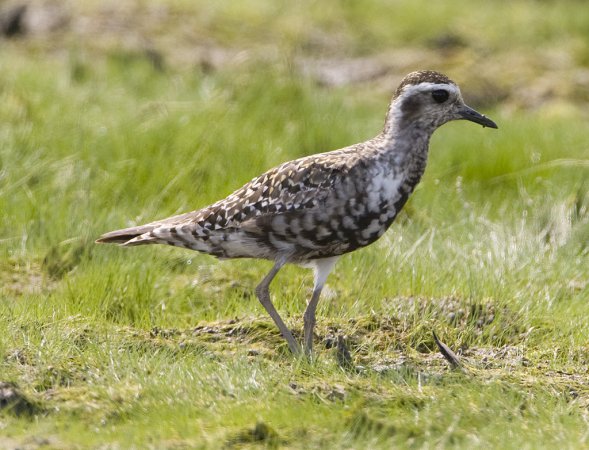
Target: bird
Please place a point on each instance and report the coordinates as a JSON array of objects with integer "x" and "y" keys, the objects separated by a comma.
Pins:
[{"x": 312, "y": 210}]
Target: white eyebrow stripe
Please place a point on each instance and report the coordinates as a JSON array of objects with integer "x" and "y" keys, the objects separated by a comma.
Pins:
[{"x": 412, "y": 88}]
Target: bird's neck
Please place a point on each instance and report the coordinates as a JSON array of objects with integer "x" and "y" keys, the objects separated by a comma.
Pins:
[
  {"x": 402, "y": 124},
  {"x": 406, "y": 143},
  {"x": 404, "y": 150},
  {"x": 406, "y": 131}
]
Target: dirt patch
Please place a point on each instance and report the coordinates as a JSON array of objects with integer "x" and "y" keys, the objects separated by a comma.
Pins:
[
  {"x": 495, "y": 358},
  {"x": 257, "y": 335}
]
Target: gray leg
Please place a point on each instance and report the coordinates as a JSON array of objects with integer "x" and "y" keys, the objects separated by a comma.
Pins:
[
  {"x": 322, "y": 269},
  {"x": 263, "y": 293},
  {"x": 309, "y": 320}
]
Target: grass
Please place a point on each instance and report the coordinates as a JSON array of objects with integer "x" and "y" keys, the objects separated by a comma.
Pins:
[{"x": 165, "y": 348}]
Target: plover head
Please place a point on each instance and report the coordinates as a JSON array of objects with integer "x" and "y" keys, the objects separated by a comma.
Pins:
[{"x": 427, "y": 100}]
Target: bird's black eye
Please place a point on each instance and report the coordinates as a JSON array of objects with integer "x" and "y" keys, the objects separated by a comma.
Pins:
[{"x": 440, "y": 95}]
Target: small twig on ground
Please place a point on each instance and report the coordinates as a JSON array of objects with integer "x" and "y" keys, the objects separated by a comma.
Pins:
[{"x": 447, "y": 353}]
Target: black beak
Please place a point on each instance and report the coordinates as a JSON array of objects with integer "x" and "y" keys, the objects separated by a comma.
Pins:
[{"x": 467, "y": 113}]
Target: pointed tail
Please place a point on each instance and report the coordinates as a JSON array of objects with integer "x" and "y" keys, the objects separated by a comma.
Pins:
[{"x": 123, "y": 236}]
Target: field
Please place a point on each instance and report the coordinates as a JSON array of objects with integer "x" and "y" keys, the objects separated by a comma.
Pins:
[{"x": 118, "y": 113}]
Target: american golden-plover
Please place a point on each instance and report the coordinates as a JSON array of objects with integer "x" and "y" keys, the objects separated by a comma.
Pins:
[{"x": 312, "y": 210}]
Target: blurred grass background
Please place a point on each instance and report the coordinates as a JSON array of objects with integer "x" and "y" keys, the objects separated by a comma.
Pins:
[{"x": 117, "y": 113}]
